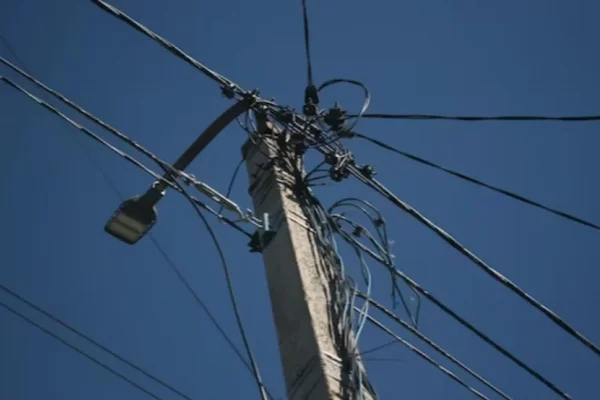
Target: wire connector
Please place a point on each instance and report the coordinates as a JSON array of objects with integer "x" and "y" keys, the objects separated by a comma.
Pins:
[
  {"x": 335, "y": 118},
  {"x": 311, "y": 101}
]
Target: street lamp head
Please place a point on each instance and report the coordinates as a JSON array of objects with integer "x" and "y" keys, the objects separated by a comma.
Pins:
[{"x": 134, "y": 217}]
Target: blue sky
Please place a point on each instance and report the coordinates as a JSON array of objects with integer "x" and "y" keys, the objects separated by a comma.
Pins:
[{"x": 534, "y": 57}]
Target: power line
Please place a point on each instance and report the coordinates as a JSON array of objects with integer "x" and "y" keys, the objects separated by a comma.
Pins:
[
  {"x": 113, "y": 186},
  {"x": 423, "y": 355},
  {"x": 226, "y": 270},
  {"x": 114, "y": 149},
  {"x": 119, "y": 152},
  {"x": 381, "y": 189},
  {"x": 457, "y": 318},
  {"x": 78, "y": 350},
  {"x": 85, "y": 113},
  {"x": 307, "y": 44},
  {"x": 94, "y": 342},
  {"x": 478, "y": 182},
  {"x": 431, "y": 343},
  {"x": 226, "y": 83},
  {"x": 475, "y": 119}
]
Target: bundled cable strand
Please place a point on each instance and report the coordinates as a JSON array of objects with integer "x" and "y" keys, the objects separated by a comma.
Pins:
[
  {"x": 479, "y": 182},
  {"x": 80, "y": 351},
  {"x": 385, "y": 254},
  {"x": 382, "y": 246},
  {"x": 346, "y": 236}
]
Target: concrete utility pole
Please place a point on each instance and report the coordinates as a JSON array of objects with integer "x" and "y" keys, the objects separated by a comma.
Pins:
[{"x": 300, "y": 293}]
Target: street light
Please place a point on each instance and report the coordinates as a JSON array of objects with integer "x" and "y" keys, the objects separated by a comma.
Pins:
[{"x": 134, "y": 217}]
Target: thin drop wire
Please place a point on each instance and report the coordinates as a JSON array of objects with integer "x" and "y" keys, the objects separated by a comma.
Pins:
[
  {"x": 80, "y": 351},
  {"x": 480, "y": 183}
]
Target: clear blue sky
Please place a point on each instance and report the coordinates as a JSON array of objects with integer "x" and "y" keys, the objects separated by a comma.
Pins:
[{"x": 518, "y": 57}]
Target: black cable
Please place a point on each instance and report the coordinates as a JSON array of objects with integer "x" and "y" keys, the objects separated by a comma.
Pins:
[
  {"x": 366, "y": 101},
  {"x": 84, "y": 112},
  {"x": 427, "y": 358},
  {"x": 78, "y": 350},
  {"x": 94, "y": 342},
  {"x": 226, "y": 83},
  {"x": 262, "y": 389},
  {"x": 325, "y": 150},
  {"x": 471, "y": 118},
  {"x": 307, "y": 44},
  {"x": 117, "y": 151},
  {"x": 432, "y": 344},
  {"x": 178, "y": 188},
  {"x": 478, "y": 182},
  {"x": 381, "y": 189},
  {"x": 232, "y": 181},
  {"x": 464, "y": 323}
]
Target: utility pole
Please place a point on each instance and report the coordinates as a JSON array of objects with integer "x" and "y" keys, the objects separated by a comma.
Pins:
[{"x": 313, "y": 364}]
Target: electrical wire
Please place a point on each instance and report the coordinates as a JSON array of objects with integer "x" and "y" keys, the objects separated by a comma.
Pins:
[
  {"x": 12, "y": 52},
  {"x": 226, "y": 83},
  {"x": 86, "y": 131},
  {"x": 307, "y": 45},
  {"x": 431, "y": 343},
  {"x": 253, "y": 363},
  {"x": 80, "y": 351},
  {"x": 85, "y": 113},
  {"x": 153, "y": 239},
  {"x": 296, "y": 126},
  {"x": 94, "y": 342},
  {"x": 478, "y": 182},
  {"x": 434, "y": 300},
  {"x": 378, "y": 187},
  {"x": 427, "y": 358},
  {"x": 119, "y": 152},
  {"x": 475, "y": 119},
  {"x": 342, "y": 289},
  {"x": 232, "y": 181}
]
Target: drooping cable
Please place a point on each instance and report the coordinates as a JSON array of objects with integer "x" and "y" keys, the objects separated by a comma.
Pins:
[
  {"x": 427, "y": 358},
  {"x": 94, "y": 342},
  {"x": 442, "y": 306},
  {"x": 80, "y": 351},
  {"x": 475, "y": 119},
  {"x": 261, "y": 387},
  {"x": 378, "y": 187},
  {"x": 478, "y": 182},
  {"x": 431, "y": 343}
]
